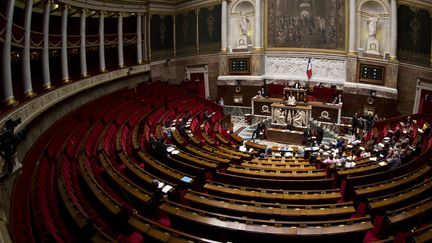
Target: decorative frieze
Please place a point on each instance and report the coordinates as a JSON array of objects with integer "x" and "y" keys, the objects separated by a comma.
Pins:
[{"x": 294, "y": 68}]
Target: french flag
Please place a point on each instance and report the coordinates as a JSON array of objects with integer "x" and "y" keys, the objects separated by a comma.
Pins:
[{"x": 309, "y": 69}]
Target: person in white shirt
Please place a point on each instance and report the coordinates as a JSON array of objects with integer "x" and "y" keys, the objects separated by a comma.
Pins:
[
  {"x": 291, "y": 100},
  {"x": 222, "y": 102},
  {"x": 330, "y": 160}
]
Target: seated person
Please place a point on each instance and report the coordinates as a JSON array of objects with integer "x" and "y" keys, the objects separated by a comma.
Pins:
[
  {"x": 394, "y": 160},
  {"x": 340, "y": 142},
  {"x": 166, "y": 131},
  {"x": 185, "y": 118},
  {"x": 259, "y": 94},
  {"x": 291, "y": 100},
  {"x": 297, "y": 85},
  {"x": 330, "y": 160},
  {"x": 337, "y": 99}
]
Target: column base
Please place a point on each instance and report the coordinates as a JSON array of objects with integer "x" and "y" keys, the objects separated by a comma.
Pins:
[
  {"x": 103, "y": 70},
  {"x": 11, "y": 102},
  {"x": 393, "y": 59},
  {"x": 66, "y": 81},
  {"x": 352, "y": 54},
  {"x": 258, "y": 49},
  {"x": 48, "y": 87},
  {"x": 139, "y": 62},
  {"x": 85, "y": 75},
  {"x": 30, "y": 94},
  {"x": 122, "y": 65}
]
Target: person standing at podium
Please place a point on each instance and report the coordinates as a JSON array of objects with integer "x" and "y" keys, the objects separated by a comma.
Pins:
[{"x": 297, "y": 85}]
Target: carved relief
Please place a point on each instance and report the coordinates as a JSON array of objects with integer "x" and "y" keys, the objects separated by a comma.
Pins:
[
  {"x": 331, "y": 70},
  {"x": 297, "y": 117}
]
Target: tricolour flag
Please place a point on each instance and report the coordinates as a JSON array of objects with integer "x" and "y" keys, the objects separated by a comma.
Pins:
[{"x": 309, "y": 69}]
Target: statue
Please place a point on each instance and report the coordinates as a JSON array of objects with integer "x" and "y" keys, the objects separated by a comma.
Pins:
[
  {"x": 372, "y": 46},
  {"x": 244, "y": 22},
  {"x": 243, "y": 40},
  {"x": 8, "y": 142},
  {"x": 372, "y": 25}
]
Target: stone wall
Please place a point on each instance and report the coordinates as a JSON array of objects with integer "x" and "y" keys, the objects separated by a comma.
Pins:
[
  {"x": 212, "y": 62},
  {"x": 407, "y": 81}
]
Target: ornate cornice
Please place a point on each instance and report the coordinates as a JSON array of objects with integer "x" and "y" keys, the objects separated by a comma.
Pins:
[{"x": 416, "y": 3}]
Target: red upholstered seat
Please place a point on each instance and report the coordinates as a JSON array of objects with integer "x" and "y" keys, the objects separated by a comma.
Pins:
[{"x": 135, "y": 237}]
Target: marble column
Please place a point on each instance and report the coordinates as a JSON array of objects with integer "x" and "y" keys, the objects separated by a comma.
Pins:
[
  {"x": 120, "y": 40},
  {"x": 64, "y": 59},
  {"x": 393, "y": 30},
  {"x": 352, "y": 28},
  {"x": 139, "y": 39},
  {"x": 258, "y": 29},
  {"x": 26, "y": 69},
  {"x": 45, "y": 50},
  {"x": 83, "y": 59},
  {"x": 102, "y": 67},
  {"x": 174, "y": 35},
  {"x": 7, "y": 90},
  {"x": 430, "y": 61},
  {"x": 197, "y": 31},
  {"x": 224, "y": 27},
  {"x": 145, "y": 34}
]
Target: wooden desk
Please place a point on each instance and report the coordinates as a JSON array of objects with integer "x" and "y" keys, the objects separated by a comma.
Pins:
[
  {"x": 274, "y": 173},
  {"x": 273, "y": 195},
  {"x": 244, "y": 229},
  {"x": 289, "y": 184},
  {"x": 284, "y": 136},
  {"x": 266, "y": 210},
  {"x": 388, "y": 202},
  {"x": 391, "y": 185},
  {"x": 287, "y": 166},
  {"x": 423, "y": 234}
]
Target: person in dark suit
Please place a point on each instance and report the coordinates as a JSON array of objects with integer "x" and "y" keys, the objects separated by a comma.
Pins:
[
  {"x": 259, "y": 131},
  {"x": 369, "y": 122},
  {"x": 297, "y": 85},
  {"x": 307, "y": 136},
  {"x": 289, "y": 126},
  {"x": 354, "y": 124},
  {"x": 319, "y": 134}
]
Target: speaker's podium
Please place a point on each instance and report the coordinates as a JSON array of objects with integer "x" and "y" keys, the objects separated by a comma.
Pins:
[
  {"x": 297, "y": 115},
  {"x": 299, "y": 94}
]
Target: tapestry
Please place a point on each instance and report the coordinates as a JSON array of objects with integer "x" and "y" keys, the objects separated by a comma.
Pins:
[
  {"x": 414, "y": 35},
  {"x": 186, "y": 27},
  {"x": 161, "y": 37},
  {"x": 210, "y": 29}
]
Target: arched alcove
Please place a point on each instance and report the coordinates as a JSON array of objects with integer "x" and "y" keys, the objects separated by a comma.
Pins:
[
  {"x": 248, "y": 8},
  {"x": 366, "y": 9}
]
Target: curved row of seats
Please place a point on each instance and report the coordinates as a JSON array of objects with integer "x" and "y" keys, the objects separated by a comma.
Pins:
[{"x": 90, "y": 177}]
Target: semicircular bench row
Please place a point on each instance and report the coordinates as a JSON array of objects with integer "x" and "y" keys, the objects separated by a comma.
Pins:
[{"x": 99, "y": 172}]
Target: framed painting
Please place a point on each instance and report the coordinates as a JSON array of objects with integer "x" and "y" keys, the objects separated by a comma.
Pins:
[{"x": 306, "y": 24}]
